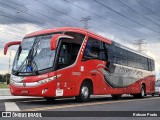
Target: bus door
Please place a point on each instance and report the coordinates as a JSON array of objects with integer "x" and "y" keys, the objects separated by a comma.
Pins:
[{"x": 64, "y": 67}]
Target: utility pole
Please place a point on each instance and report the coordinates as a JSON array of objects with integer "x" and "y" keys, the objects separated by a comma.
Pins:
[
  {"x": 140, "y": 43},
  {"x": 85, "y": 20},
  {"x": 158, "y": 75},
  {"x": 9, "y": 66}
]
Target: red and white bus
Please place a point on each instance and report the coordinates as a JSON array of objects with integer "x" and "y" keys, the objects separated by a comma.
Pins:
[{"x": 68, "y": 62}]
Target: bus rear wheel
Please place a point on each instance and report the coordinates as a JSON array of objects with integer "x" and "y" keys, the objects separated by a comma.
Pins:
[
  {"x": 142, "y": 92},
  {"x": 85, "y": 93}
]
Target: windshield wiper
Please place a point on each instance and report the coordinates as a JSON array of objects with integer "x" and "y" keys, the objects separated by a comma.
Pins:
[
  {"x": 28, "y": 60},
  {"x": 21, "y": 66}
]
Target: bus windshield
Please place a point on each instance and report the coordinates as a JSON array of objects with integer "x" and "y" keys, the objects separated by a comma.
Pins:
[{"x": 34, "y": 55}]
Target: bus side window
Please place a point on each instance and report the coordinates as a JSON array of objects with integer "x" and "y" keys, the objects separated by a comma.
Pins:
[
  {"x": 68, "y": 54},
  {"x": 64, "y": 59},
  {"x": 104, "y": 51},
  {"x": 92, "y": 49}
]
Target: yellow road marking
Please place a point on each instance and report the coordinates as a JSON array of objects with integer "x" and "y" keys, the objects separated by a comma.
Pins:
[{"x": 86, "y": 104}]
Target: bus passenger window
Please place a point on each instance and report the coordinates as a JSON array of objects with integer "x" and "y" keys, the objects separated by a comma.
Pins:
[{"x": 92, "y": 49}]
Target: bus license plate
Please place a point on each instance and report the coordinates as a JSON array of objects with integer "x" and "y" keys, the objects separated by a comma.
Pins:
[
  {"x": 59, "y": 92},
  {"x": 24, "y": 92}
]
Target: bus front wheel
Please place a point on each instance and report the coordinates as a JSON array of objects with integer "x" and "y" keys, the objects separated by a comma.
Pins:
[{"x": 85, "y": 93}]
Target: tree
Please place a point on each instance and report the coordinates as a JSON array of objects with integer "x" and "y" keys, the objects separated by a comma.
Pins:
[{"x": 4, "y": 77}]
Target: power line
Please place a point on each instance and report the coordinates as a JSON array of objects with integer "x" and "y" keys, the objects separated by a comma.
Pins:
[
  {"x": 49, "y": 17},
  {"x": 26, "y": 13},
  {"x": 74, "y": 18},
  {"x": 20, "y": 29},
  {"x": 125, "y": 16},
  {"x": 137, "y": 12},
  {"x": 12, "y": 30},
  {"x": 79, "y": 20},
  {"x": 11, "y": 34},
  {"x": 40, "y": 13},
  {"x": 148, "y": 9},
  {"x": 48, "y": 6},
  {"x": 11, "y": 16},
  {"x": 102, "y": 17},
  {"x": 68, "y": 15},
  {"x": 58, "y": 10},
  {"x": 105, "y": 18},
  {"x": 65, "y": 14}
]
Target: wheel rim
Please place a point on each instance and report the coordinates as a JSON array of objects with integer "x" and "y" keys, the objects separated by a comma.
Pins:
[
  {"x": 85, "y": 91},
  {"x": 142, "y": 91}
]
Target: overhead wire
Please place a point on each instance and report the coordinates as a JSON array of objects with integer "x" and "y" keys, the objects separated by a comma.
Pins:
[
  {"x": 126, "y": 17},
  {"x": 27, "y": 13},
  {"x": 147, "y": 9},
  {"x": 136, "y": 12},
  {"x": 40, "y": 14}
]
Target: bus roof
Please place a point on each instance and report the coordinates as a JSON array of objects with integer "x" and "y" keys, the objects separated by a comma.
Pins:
[{"x": 69, "y": 29}]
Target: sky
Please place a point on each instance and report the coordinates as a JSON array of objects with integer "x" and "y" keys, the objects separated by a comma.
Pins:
[{"x": 124, "y": 21}]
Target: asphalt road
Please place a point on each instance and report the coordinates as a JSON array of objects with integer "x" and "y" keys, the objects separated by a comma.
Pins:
[{"x": 97, "y": 103}]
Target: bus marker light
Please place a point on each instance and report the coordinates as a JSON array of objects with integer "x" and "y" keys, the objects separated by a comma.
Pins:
[
  {"x": 82, "y": 68},
  {"x": 58, "y": 84}
]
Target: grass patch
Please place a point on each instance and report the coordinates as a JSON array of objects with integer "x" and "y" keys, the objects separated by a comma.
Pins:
[{"x": 4, "y": 86}]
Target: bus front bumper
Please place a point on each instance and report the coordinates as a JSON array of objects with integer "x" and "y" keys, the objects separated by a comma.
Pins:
[{"x": 33, "y": 89}]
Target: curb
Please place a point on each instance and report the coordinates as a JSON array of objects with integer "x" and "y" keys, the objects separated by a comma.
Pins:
[{"x": 5, "y": 92}]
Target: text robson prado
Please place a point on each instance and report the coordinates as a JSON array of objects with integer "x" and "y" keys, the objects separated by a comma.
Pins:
[{"x": 145, "y": 114}]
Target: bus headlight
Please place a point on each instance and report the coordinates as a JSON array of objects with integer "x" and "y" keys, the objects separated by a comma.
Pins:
[{"x": 16, "y": 78}]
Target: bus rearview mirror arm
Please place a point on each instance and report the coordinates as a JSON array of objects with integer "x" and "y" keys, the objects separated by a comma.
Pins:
[
  {"x": 10, "y": 44},
  {"x": 54, "y": 40}
]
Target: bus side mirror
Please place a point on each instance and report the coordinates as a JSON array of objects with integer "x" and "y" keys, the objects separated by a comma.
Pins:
[
  {"x": 10, "y": 44},
  {"x": 54, "y": 40}
]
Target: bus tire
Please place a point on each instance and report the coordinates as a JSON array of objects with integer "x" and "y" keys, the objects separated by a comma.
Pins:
[
  {"x": 142, "y": 92},
  {"x": 85, "y": 93},
  {"x": 116, "y": 96}
]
